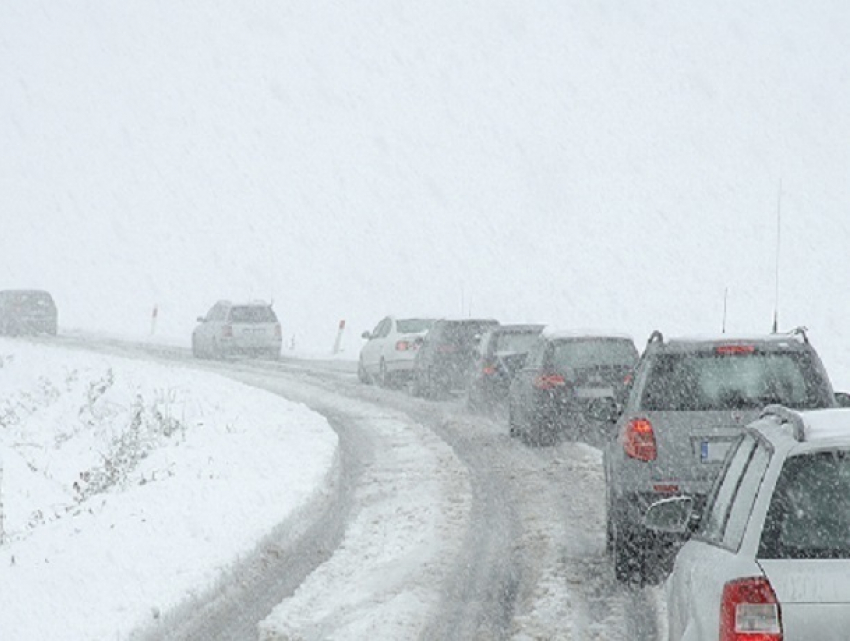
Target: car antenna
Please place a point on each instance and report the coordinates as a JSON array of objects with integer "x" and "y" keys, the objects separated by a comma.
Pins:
[
  {"x": 778, "y": 247},
  {"x": 725, "y": 299}
]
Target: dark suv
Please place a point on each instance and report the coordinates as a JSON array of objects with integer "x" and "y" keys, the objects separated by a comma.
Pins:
[
  {"x": 690, "y": 400},
  {"x": 445, "y": 355},
  {"x": 27, "y": 311},
  {"x": 501, "y": 353},
  {"x": 567, "y": 373}
]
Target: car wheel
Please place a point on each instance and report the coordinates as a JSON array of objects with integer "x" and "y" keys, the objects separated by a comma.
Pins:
[
  {"x": 362, "y": 374},
  {"x": 513, "y": 428},
  {"x": 383, "y": 375},
  {"x": 628, "y": 554}
]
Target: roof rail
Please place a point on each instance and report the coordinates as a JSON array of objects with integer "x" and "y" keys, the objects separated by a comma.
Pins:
[
  {"x": 655, "y": 337},
  {"x": 786, "y": 415},
  {"x": 802, "y": 332}
]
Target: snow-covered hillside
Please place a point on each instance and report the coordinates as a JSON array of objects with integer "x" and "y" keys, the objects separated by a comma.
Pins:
[
  {"x": 578, "y": 163},
  {"x": 129, "y": 488}
]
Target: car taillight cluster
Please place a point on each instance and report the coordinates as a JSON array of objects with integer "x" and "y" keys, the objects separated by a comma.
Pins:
[
  {"x": 734, "y": 350},
  {"x": 549, "y": 382},
  {"x": 405, "y": 346},
  {"x": 227, "y": 331},
  {"x": 489, "y": 370},
  {"x": 750, "y": 611},
  {"x": 639, "y": 440}
]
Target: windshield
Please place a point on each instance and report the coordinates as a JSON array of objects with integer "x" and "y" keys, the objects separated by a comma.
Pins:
[
  {"x": 252, "y": 314},
  {"x": 520, "y": 342},
  {"x": 703, "y": 382},
  {"x": 414, "y": 325},
  {"x": 577, "y": 354},
  {"x": 809, "y": 515}
]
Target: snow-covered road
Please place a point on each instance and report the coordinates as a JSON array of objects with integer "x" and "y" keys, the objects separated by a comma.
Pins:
[{"x": 439, "y": 527}]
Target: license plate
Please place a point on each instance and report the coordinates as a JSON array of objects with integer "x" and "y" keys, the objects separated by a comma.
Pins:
[
  {"x": 594, "y": 392},
  {"x": 713, "y": 451}
]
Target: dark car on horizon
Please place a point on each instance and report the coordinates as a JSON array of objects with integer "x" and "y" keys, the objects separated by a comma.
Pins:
[
  {"x": 27, "y": 312},
  {"x": 565, "y": 375},
  {"x": 500, "y": 354},
  {"x": 446, "y": 354}
]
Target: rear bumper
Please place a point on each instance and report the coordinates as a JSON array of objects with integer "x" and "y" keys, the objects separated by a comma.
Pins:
[
  {"x": 241, "y": 348},
  {"x": 14, "y": 326}
]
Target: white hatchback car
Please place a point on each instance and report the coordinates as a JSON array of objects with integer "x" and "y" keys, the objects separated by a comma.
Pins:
[
  {"x": 389, "y": 354},
  {"x": 770, "y": 559}
]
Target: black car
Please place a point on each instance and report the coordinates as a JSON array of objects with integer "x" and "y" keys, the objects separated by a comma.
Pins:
[
  {"x": 446, "y": 354},
  {"x": 27, "y": 311},
  {"x": 501, "y": 353},
  {"x": 566, "y": 374}
]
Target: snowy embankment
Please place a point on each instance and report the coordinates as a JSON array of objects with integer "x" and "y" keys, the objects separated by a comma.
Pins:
[{"x": 129, "y": 488}]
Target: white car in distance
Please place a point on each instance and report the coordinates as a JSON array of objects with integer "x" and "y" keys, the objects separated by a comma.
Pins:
[
  {"x": 387, "y": 357},
  {"x": 770, "y": 560}
]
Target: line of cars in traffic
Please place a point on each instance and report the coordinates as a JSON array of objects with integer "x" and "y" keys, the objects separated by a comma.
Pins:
[{"x": 726, "y": 459}]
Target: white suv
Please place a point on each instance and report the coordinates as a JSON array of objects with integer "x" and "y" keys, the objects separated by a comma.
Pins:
[{"x": 770, "y": 558}]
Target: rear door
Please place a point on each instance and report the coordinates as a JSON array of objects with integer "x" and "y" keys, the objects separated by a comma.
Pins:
[{"x": 805, "y": 545}]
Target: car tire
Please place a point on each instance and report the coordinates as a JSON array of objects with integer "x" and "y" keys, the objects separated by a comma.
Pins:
[
  {"x": 383, "y": 375},
  {"x": 513, "y": 428},
  {"x": 362, "y": 374},
  {"x": 628, "y": 554}
]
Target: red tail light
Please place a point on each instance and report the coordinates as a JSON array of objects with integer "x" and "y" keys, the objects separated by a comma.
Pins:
[
  {"x": 227, "y": 331},
  {"x": 547, "y": 382},
  {"x": 639, "y": 440},
  {"x": 734, "y": 350},
  {"x": 750, "y": 612},
  {"x": 403, "y": 346},
  {"x": 489, "y": 370}
]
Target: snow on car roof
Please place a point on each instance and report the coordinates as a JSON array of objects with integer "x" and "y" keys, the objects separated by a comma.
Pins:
[
  {"x": 823, "y": 425},
  {"x": 554, "y": 332},
  {"x": 737, "y": 338}
]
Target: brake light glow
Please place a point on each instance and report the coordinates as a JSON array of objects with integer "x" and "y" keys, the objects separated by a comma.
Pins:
[
  {"x": 402, "y": 346},
  {"x": 489, "y": 370},
  {"x": 227, "y": 331},
  {"x": 548, "y": 382},
  {"x": 750, "y": 611},
  {"x": 734, "y": 350},
  {"x": 639, "y": 440}
]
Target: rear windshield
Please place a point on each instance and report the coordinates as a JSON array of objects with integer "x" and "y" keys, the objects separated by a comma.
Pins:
[
  {"x": 35, "y": 300},
  {"x": 461, "y": 333},
  {"x": 252, "y": 314},
  {"x": 706, "y": 382},
  {"x": 519, "y": 342},
  {"x": 414, "y": 325},
  {"x": 809, "y": 515},
  {"x": 594, "y": 353}
]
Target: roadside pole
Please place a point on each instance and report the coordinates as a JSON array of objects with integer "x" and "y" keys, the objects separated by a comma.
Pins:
[
  {"x": 154, "y": 314},
  {"x": 338, "y": 340},
  {"x": 2, "y": 520}
]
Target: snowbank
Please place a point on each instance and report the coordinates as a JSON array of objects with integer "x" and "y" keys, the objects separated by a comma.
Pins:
[{"x": 128, "y": 487}]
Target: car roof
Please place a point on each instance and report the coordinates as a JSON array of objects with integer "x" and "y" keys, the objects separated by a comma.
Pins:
[
  {"x": 449, "y": 319},
  {"x": 706, "y": 343},
  {"x": 557, "y": 334},
  {"x": 806, "y": 430},
  {"x": 510, "y": 329}
]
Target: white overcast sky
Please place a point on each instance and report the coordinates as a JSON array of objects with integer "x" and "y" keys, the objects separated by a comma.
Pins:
[{"x": 606, "y": 163}]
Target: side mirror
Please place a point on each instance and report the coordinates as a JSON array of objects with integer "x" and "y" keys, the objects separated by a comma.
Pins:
[
  {"x": 366, "y": 335},
  {"x": 672, "y": 516},
  {"x": 843, "y": 399},
  {"x": 202, "y": 319}
]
